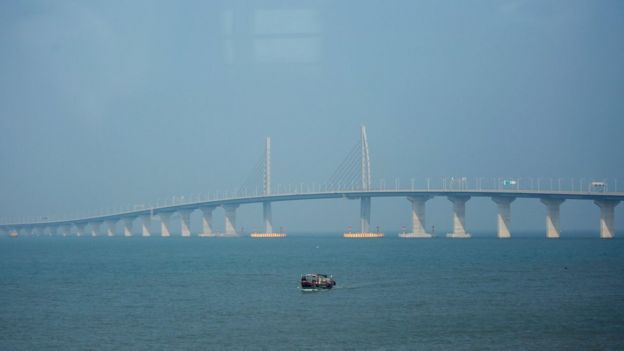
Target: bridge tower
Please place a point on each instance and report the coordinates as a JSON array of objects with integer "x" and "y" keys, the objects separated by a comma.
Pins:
[
  {"x": 365, "y": 186},
  {"x": 365, "y": 201},
  {"x": 266, "y": 191},
  {"x": 266, "y": 206}
]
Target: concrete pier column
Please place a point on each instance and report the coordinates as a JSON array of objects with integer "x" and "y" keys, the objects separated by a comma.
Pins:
[
  {"x": 268, "y": 217},
  {"x": 65, "y": 230},
  {"x": 418, "y": 217},
  {"x": 459, "y": 217},
  {"x": 164, "y": 223},
  {"x": 80, "y": 228},
  {"x": 110, "y": 227},
  {"x": 51, "y": 230},
  {"x": 230, "y": 220},
  {"x": 185, "y": 222},
  {"x": 503, "y": 219},
  {"x": 95, "y": 228},
  {"x": 13, "y": 232},
  {"x": 127, "y": 226},
  {"x": 365, "y": 213},
  {"x": 146, "y": 225},
  {"x": 207, "y": 221},
  {"x": 607, "y": 217},
  {"x": 552, "y": 217}
]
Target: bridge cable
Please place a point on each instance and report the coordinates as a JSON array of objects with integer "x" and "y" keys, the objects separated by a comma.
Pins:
[
  {"x": 348, "y": 171},
  {"x": 254, "y": 179}
]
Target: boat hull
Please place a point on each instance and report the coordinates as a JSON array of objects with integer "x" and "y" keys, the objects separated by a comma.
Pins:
[{"x": 316, "y": 282}]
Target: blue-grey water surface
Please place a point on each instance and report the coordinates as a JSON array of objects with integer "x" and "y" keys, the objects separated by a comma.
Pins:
[{"x": 176, "y": 293}]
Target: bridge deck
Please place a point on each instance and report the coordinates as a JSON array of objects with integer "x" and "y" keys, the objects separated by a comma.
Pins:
[{"x": 349, "y": 194}]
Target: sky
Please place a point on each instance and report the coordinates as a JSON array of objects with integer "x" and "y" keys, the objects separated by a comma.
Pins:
[{"x": 108, "y": 104}]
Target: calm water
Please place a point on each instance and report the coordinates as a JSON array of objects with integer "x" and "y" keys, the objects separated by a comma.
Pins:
[{"x": 216, "y": 293}]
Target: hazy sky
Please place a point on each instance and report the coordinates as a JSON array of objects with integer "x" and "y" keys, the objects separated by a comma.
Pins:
[{"x": 111, "y": 103}]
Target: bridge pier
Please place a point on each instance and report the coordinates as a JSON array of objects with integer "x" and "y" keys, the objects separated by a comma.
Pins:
[
  {"x": 65, "y": 230},
  {"x": 418, "y": 217},
  {"x": 365, "y": 213},
  {"x": 207, "y": 221},
  {"x": 110, "y": 227},
  {"x": 459, "y": 217},
  {"x": 51, "y": 230},
  {"x": 146, "y": 225},
  {"x": 552, "y": 217},
  {"x": 230, "y": 220},
  {"x": 607, "y": 217},
  {"x": 127, "y": 226},
  {"x": 504, "y": 215},
  {"x": 164, "y": 223},
  {"x": 80, "y": 228},
  {"x": 13, "y": 232},
  {"x": 185, "y": 222},
  {"x": 95, "y": 228},
  {"x": 268, "y": 217}
]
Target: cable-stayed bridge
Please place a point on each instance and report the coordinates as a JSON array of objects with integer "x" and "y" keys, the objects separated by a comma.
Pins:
[{"x": 351, "y": 180}]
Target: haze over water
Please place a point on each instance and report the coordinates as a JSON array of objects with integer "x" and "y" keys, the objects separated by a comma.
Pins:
[
  {"x": 110, "y": 104},
  {"x": 392, "y": 294}
]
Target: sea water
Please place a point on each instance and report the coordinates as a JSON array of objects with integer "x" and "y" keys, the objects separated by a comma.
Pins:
[{"x": 85, "y": 293}]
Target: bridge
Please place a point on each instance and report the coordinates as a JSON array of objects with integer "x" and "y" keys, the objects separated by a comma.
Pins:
[{"x": 352, "y": 180}]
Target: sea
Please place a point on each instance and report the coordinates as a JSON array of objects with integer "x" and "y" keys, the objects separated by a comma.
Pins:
[{"x": 483, "y": 293}]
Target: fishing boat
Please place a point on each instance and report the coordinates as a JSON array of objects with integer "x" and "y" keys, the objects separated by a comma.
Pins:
[{"x": 316, "y": 282}]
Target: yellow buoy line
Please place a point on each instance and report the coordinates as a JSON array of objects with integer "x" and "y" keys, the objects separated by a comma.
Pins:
[
  {"x": 268, "y": 235},
  {"x": 362, "y": 235}
]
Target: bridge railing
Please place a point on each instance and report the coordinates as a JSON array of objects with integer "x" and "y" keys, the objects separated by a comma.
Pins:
[{"x": 508, "y": 184}]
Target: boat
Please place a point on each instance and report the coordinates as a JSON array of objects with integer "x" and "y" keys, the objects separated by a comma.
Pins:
[{"x": 316, "y": 282}]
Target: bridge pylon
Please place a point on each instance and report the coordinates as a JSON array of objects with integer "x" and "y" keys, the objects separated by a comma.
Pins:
[
  {"x": 365, "y": 186},
  {"x": 267, "y": 212}
]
